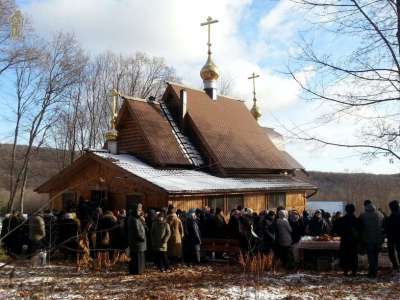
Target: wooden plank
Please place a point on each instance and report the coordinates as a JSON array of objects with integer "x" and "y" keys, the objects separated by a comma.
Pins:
[{"x": 255, "y": 201}]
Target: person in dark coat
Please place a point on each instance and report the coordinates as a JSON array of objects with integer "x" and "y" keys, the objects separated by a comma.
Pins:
[
  {"x": 317, "y": 226},
  {"x": 372, "y": 235},
  {"x": 233, "y": 225},
  {"x": 106, "y": 233},
  {"x": 192, "y": 237},
  {"x": 267, "y": 232},
  {"x": 392, "y": 231},
  {"x": 284, "y": 239},
  {"x": 298, "y": 231},
  {"x": 12, "y": 233},
  {"x": 150, "y": 218},
  {"x": 84, "y": 212},
  {"x": 248, "y": 239},
  {"x": 348, "y": 228},
  {"x": 219, "y": 224},
  {"x": 160, "y": 234},
  {"x": 50, "y": 221},
  {"x": 68, "y": 230},
  {"x": 119, "y": 240},
  {"x": 306, "y": 218},
  {"x": 136, "y": 240}
]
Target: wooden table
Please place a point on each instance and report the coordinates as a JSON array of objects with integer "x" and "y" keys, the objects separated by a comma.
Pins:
[{"x": 332, "y": 247}]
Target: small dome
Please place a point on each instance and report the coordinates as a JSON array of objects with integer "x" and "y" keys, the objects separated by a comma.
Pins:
[
  {"x": 209, "y": 71},
  {"x": 111, "y": 135},
  {"x": 255, "y": 111}
]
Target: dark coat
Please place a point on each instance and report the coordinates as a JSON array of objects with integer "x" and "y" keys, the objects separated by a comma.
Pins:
[
  {"x": 267, "y": 233},
  {"x": 372, "y": 225},
  {"x": 317, "y": 227},
  {"x": 392, "y": 227},
  {"x": 348, "y": 228},
  {"x": 219, "y": 228},
  {"x": 106, "y": 231},
  {"x": 68, "y": 230},
  {"x": 193, "y": 236},
  {"x": 17, "y": 237},
  {"x": 298, "y": 230},
  {"x": 136, "y": 234},
  {"x": 119, "y": 235},
  {"x": 247, "y": 241},
  {"x": 233, "y": 227}
]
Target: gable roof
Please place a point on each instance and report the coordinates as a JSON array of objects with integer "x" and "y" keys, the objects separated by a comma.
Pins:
[
  {"x": 230, "y": 134},
  {"x": 156, "y": 132}
]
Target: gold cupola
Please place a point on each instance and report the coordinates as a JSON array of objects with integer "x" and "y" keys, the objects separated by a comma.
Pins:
[
  {"x": 255, "y": 110},
  {"x": 209, "y": 72}
]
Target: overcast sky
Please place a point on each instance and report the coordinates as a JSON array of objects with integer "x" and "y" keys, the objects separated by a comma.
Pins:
[{"x": 252, "y": 36}]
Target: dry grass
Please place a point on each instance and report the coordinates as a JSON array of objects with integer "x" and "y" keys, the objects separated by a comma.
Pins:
[{"x": 61, "y": 281}]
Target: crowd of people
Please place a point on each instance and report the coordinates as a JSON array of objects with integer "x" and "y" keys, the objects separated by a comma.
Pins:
[{"x": 169, "y": 235}]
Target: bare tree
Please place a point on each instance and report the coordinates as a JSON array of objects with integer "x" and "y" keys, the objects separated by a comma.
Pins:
[
  {"x": 42, "y": 86},
  {"x": 14, "y": 50},
  {"x": 225, "y": 84},
  {"x": 359, "y": 71},
  {"x": 85, "y": 119}
]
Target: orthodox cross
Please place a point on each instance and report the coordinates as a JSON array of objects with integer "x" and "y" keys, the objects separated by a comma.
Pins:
[
  {"x": 209, "y": 22},
  {"x": 254, "y": 76},
  {"x": 114, "y": 94}
]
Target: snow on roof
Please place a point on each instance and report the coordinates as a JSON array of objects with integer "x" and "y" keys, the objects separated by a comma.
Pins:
[{"x": 194, "y": 181}]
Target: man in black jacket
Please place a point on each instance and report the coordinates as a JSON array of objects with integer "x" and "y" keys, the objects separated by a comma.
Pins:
[
  {"x": 348, "y": 228},
  {"x": 392, "y": 231},
  {"x": 136, "y": 240}
]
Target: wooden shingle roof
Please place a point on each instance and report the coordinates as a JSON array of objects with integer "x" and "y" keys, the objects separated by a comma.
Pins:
[
  {"x": 157, "y": 133},
  {"x": 230, "y": 134}
]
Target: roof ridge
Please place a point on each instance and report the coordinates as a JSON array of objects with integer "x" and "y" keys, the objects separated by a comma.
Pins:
[
  {"x": 199, "y": 90},
  {"x": 132, "y": 98}
]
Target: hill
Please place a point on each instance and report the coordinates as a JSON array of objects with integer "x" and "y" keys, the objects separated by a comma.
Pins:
[
  {"x": 347, "y": 187},
  {"x": 356, "y": 187}
]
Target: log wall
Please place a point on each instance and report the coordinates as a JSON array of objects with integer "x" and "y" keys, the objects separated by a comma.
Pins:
[{"x": 117, "y": 184}]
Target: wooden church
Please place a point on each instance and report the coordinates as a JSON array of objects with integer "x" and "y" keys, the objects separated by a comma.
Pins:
[{"x": 191, "y": 148}]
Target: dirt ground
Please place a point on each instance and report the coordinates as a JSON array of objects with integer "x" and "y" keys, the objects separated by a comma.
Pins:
[{"x": 212, "y": 281}]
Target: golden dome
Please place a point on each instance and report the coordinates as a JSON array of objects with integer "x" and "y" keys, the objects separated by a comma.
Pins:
[
  {"x": 255, "y": 111},
  {"x": 209, "y": 71},
  {"x": 111, "y": 135}
]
